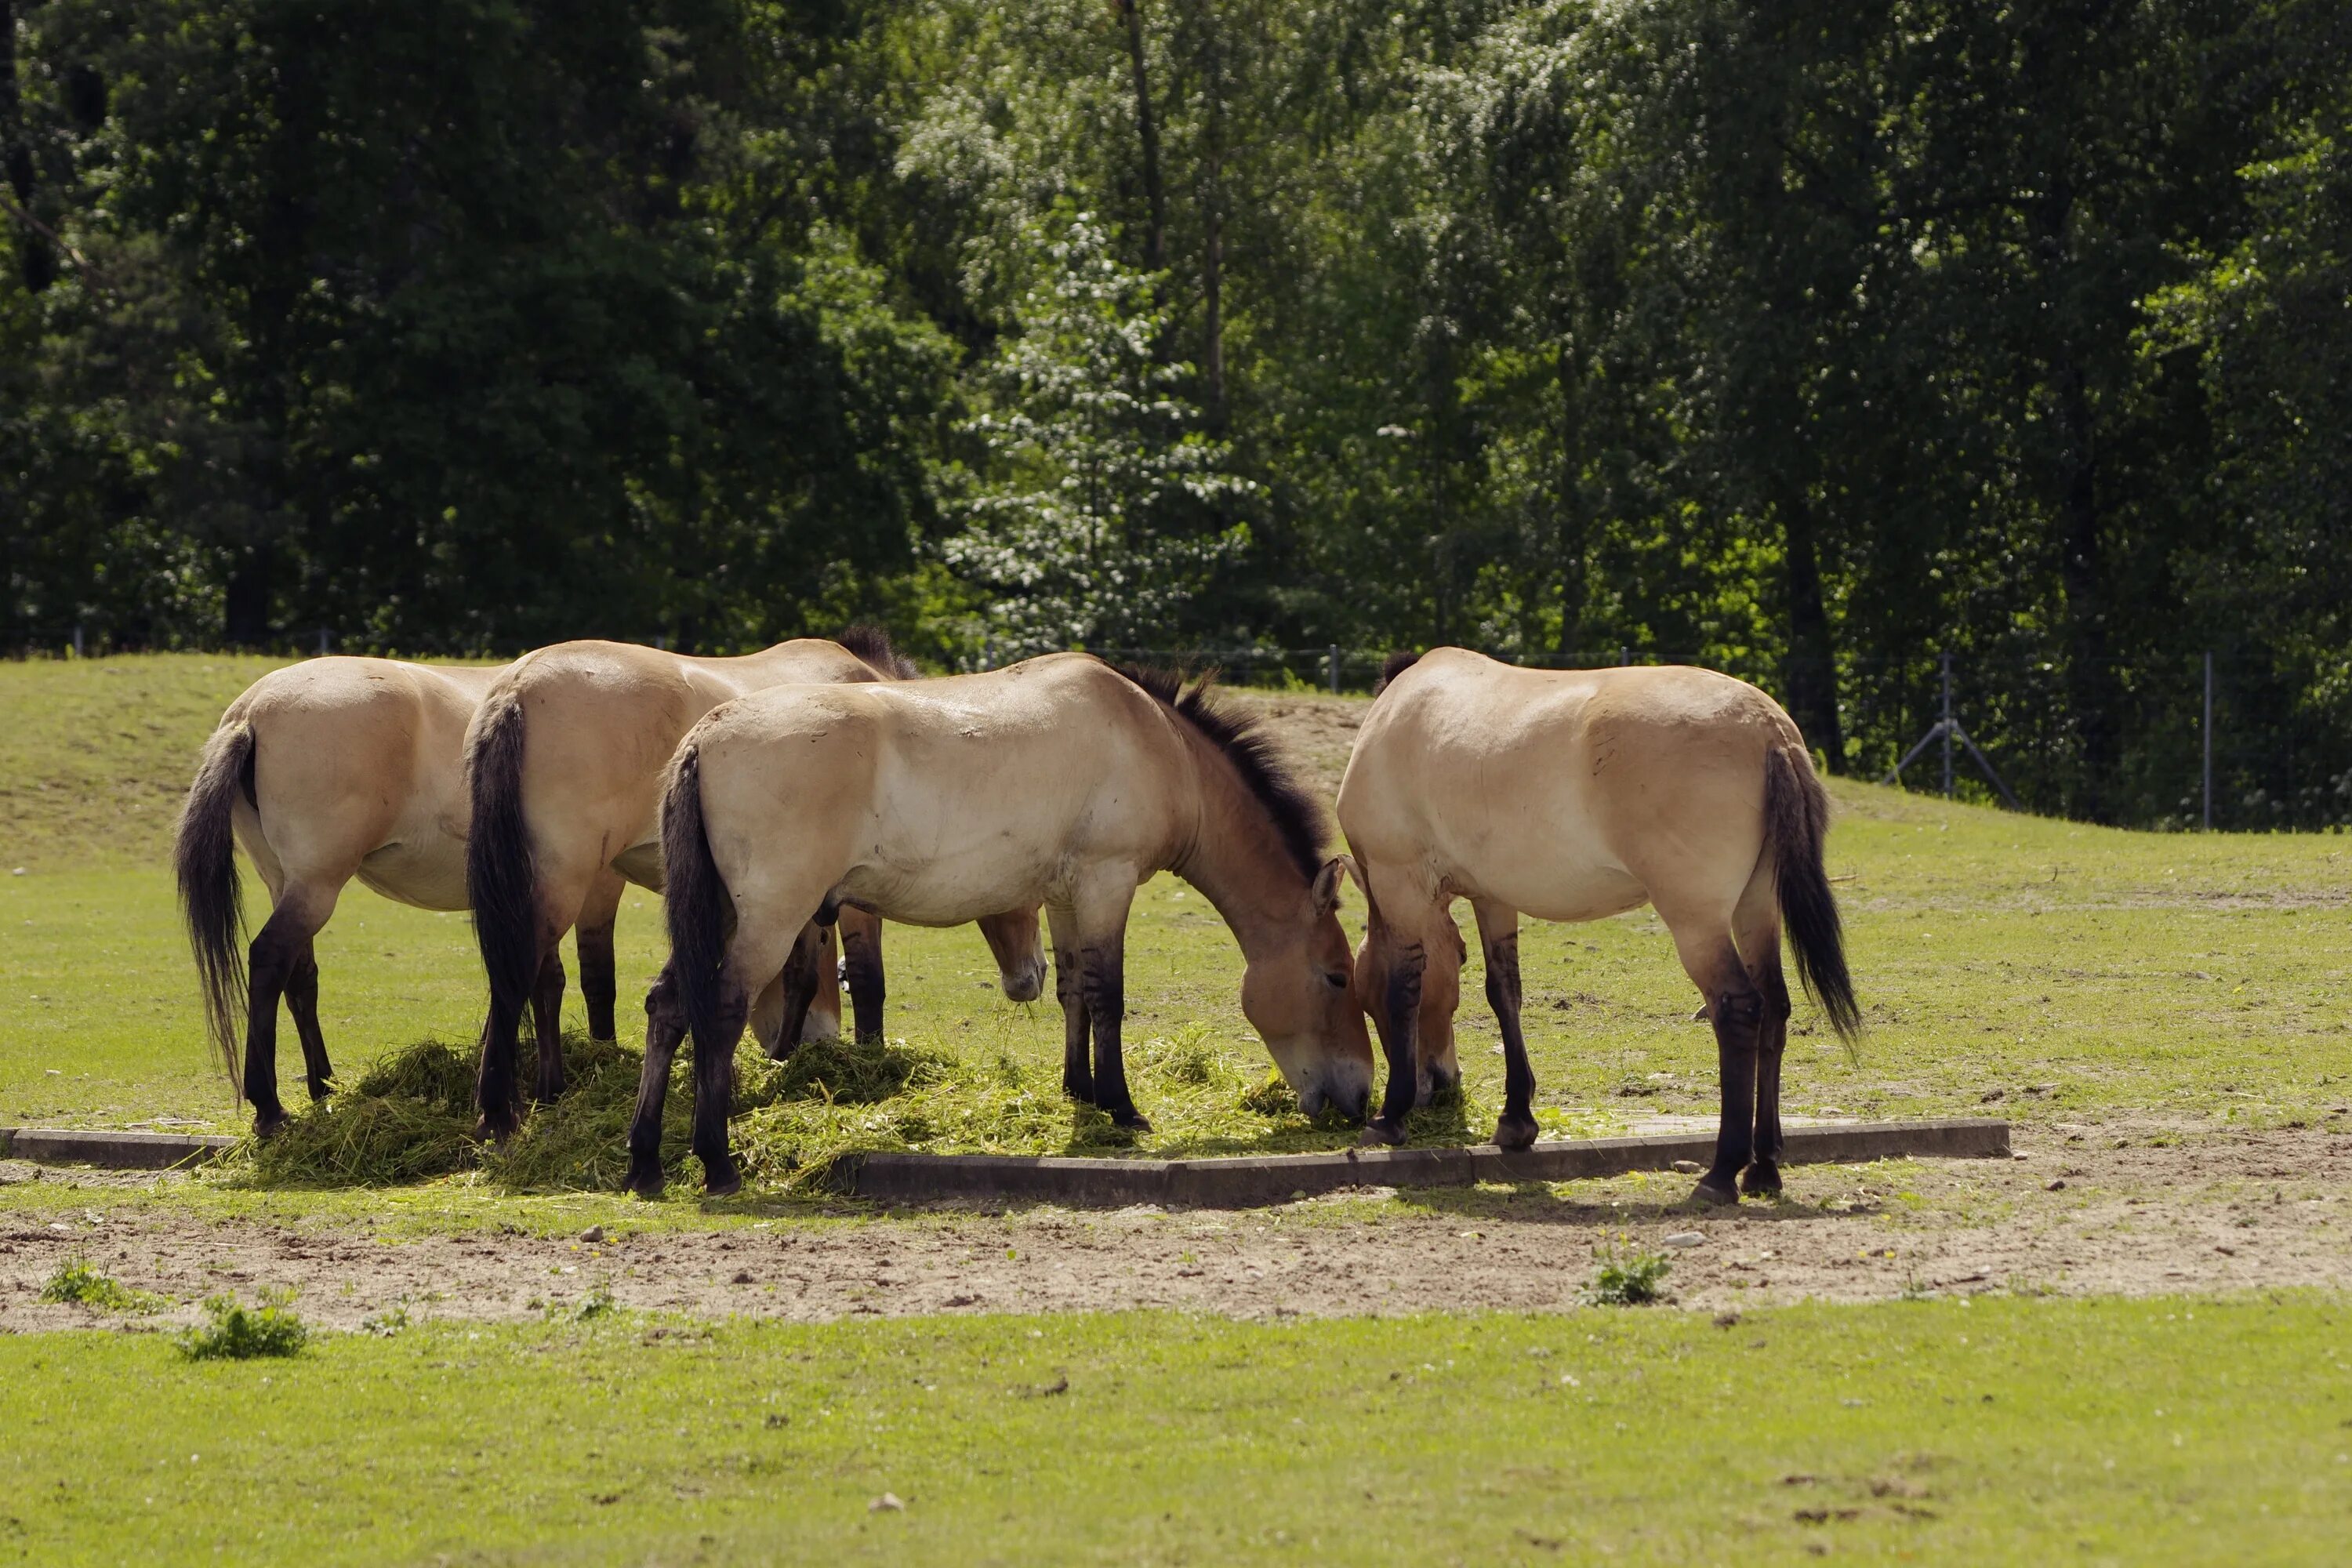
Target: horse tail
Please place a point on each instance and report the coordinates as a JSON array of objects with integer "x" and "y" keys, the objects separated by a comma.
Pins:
[
  {"x": 694, "y": 899},
  {"x": 212, "y": 896},
  {"x": 1796, "y": 822},
  {"x": 501, "y": 880}
]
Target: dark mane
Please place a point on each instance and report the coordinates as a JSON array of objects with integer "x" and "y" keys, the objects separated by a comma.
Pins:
[
  {"x": 872, "y": 644},
  {"x": 1296, "y": 819},
  {"x": 1396, "y": 664}
]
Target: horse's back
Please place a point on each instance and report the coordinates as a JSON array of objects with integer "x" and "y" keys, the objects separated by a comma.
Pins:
[{"x": 1568, "y": 793}]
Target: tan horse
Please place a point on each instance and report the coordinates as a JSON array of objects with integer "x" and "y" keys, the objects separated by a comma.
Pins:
[
  {"x": 327, "y": 769},
  {"x": 565, "y": 761},
  {"x": 1058, "y": 779},
  {"x": 1574, "y": 795}
]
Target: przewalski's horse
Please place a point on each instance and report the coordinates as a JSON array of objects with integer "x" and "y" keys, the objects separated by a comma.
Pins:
[
  {"x": 1058, "y": 779},
  {"x": 565, "y": 761},
  {"x": 1572, "y": 794},
  {"x": 327, "y": 769}
]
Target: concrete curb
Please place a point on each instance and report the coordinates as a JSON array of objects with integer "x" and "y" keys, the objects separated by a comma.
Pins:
[
  {"x": 112, "y": 1151},
  {"x": 1247, "y": 1181}
]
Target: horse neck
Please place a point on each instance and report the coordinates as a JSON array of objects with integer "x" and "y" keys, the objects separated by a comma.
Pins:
[{"x": 1237, "y": 859}]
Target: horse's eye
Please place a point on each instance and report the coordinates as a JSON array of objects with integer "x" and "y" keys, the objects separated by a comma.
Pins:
[{"x": 1339, "y": 982}]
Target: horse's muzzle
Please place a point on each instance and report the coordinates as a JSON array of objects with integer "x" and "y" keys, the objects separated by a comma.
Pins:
[{"x": 1025, "y": 983}]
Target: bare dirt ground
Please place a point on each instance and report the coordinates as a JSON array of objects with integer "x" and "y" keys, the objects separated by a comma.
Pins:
[{"x": 2079, "y": 1214}]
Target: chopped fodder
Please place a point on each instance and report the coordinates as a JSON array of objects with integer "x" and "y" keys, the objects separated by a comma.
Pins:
[
  {"x": 409, "y": 1118},
  {"x": 580, "y": 1144}
]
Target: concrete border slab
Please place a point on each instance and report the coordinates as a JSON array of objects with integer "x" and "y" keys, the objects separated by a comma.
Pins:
[{"x": 111, "y": 1150}]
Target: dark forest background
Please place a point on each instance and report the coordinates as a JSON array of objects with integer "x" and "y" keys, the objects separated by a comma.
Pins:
[{"x": 1814, "y": 341}]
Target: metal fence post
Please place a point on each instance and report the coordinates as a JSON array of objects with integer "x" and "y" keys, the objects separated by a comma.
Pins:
[
  {"x": 2208, "y": 741},
  {"x": 1333, "y": 655},
  {"x": 1624, "y": 654},
  {"x": 77, "y": 651},
  {"x": 323, "y": 642},
  {"x": 1948, "y": 726}
]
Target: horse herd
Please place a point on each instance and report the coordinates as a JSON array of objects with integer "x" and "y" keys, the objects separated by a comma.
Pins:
[{"x": 790, "y": 799}]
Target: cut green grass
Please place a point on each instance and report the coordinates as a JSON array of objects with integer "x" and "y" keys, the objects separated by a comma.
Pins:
[{"x": 2001, "y": 1432}]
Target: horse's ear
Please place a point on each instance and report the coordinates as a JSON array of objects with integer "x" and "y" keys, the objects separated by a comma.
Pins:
[{"x": 1327, "y": 883}]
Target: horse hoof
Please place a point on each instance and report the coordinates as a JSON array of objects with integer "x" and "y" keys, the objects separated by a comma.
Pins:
[
  {"x": 1515, "y": 1133},
  {"x": 1760, "y": 1181},
  {"x": 1712, "y": 1195},
  {"x": 1130, "y": 1122},
  {"x": 264, "y": 1128},
  {"x": 721, "y": 1181},
  {"x": 1381, "y": 1132}
]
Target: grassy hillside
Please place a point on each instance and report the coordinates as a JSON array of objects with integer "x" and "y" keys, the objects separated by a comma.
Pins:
[{"x": 2066, "y": 972}]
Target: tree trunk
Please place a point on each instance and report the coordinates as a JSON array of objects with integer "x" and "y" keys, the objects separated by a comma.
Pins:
[
  {"x": 37, "y": 261},
  {"x": 1813, "y": 649},
  {"x": 1574, "y": 542},
  {"x": 1155, "y": 198}
]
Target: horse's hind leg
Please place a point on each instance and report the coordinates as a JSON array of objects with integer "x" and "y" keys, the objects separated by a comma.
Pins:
[
  {"x": 1736, "y": 1007},
  {"x": 272, "y": 963},
  {"x": 1498, "y": 932},
  {"x": 1069, "y": 989},
  {"x": 547, "y": 1026},
  {"x": 599, "y": 977},
  {"x": 302, "y": 1001},
  {"x": 1409, "y": 919},
  {"x": 861, "y": 962},
  {"x": 665, "y": 1027},
  {"x": 1758, "y": 925}
]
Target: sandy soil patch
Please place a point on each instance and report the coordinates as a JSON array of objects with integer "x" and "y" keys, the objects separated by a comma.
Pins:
[{"x": 2075, "y": 1217}]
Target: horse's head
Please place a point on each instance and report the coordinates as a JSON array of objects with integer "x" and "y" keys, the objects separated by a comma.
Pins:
[
  {"x": 1298, "y": 994},
  {"x": 1441, "y": 996},
  {"x": 1020, "y": 951}
]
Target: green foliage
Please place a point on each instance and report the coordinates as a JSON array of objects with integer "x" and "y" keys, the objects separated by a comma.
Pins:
[
  {"x": 1628, "y": 1276},
  {"x": 79, "y": 1284},
  {"x": 234, "y": 1331}
]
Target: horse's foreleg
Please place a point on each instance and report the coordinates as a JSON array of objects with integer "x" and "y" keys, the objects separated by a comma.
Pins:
[
  {"x": 1103, "y": 969},
  {"x": 1498, "y": 932},
  {"x": 1401, "y": 1042},
  {"x": 547, "y": 1027},
  {"x": 1069, "y": 989},
  {"x": 302, "y": 1001},
  {"x": 861, "y": 962},
  {"x": 664, "y": 1027},
  {"x": 599, "y": 981}
]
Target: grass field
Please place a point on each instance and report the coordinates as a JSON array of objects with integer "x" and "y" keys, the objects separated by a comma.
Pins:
[
  {"x": 2073, "y": 971},
  {"x": 2087, "y": 984}
]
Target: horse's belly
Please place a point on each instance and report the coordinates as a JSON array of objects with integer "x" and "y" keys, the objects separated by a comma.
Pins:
[
  {"x": 1557, "y": 887},
  {"x": 938, "y": 896},
  {"x": 430, "y": 875}
]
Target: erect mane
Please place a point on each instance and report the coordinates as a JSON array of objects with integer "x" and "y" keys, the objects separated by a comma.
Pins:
[
  {"x": 1396, "y": 664},
  {"x": 872, "y": 644},
  {"x": 1297, "y": 821}
]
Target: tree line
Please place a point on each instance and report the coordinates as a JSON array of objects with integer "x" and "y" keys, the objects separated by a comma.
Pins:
[{"x": 1815, "y": 340}]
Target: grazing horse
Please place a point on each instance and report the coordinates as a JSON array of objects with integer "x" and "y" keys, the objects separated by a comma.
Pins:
[
  {"x": 1057, "y": 780},
  {"x": 564, "y": 759},
  {"x": 1572, "y": 794},
  {"x": 327, "y": 769}
]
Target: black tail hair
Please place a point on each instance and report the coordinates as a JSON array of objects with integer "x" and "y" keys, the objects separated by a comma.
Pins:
[
  {"x": 501, "y": 880},
  {"x": 1796, "y": 822},
  {"x": 872, "y": 644},
  {"x": 694, "y": 900},
  {"x": 1396, "y": 664},
  {"x": 212, "y": 895}
]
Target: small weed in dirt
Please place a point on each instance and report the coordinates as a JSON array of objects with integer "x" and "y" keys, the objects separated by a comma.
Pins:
[
  {"x": 235, "y": 1331},
  {"x": 1629, "y": 1277},
  {"x": 79, "y": 1284},
  {"x": 392, "y": 1321}
]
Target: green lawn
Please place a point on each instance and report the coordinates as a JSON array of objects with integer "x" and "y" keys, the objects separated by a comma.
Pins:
[
  {"x": 2005, "y": 1431},
  {"x": 2082, "y": 972}
]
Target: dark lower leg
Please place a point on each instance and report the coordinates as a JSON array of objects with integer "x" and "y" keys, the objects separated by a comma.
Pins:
[
  {"x": 547, "y": 1027},
  {"x": 1401, "y": 1042},
  {"x": 1763, "y": 1172},
  {"x": 664, "y": 1027},
  {"x": 599, "y": 981},
  {"x": 1069, "y": 989},
  {"x": 1104, "y": 970},
  {"x": 714, "y": 1098},
  {"x": 1517, "y": 1127},
  {"x": 271, "y": 964},
  {"x": 302, "y": 1001},
  {"x": 803, "y": 974},
  {"x": 861, "y": 963},
  {"x": 1738, "y": 1030}
]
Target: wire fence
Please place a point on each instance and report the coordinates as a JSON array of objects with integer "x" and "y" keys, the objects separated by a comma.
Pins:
[{"x": 2211, "y": 740}]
